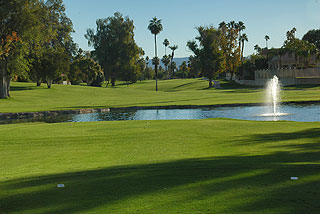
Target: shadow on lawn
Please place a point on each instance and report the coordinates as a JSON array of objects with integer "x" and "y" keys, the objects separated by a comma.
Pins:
[
  {"x": 313, "y": 133},
  {"x": 262, "y": 182},
  {"x": 23, "y": 88}
]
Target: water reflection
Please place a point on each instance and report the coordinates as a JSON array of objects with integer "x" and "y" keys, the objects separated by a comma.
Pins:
[{"x": 303, "y": 113}]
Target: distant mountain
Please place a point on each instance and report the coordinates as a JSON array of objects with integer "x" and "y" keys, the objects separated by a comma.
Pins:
[{"x": 178, "y": 61}]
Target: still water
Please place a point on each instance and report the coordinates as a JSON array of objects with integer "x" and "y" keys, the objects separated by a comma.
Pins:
[{"x": 302, "y": 113}]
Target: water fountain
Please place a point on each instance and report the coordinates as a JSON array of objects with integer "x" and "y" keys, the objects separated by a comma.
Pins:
[{"x": 273, "y": 98}]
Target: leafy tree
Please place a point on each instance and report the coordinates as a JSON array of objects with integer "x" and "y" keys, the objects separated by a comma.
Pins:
[
  {"x": 155, "y": 28},
  {"x": 183, "y": 71},
  {"x": 149, "y": 73},
  {"x": 19, "y": 23},
  {"x": 84, "y": 69},
  {"x": 313, "y": 36},
  {"x": 172, "y": 67},
  {"x": 208, "y": 51},
  {"x": 115, "y": 48},
  {"x": 165, "y": 43},
  {"x": 229, "y": 46},
  {"x": 54, "y": 63},
  {"x": 247, "y": 70},
  {"x": 142, "y": 64},
  {"x": 194, "y": 67},
  {"x": 75, "y": 75},
  {"x": 249, "y": 66},
  {"x": 93, "y": 73},
  {"x": 54, "y": 37}
]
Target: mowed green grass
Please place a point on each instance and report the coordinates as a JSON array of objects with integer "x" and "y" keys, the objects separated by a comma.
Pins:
[
  {"x": 26, "y": 97},
  {"x": 181, "y": 166}
]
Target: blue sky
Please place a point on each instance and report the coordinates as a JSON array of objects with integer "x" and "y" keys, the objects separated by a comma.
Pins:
[{"x": 180, "y": 17}]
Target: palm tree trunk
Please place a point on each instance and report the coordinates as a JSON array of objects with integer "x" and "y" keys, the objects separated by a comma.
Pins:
[
  {"x": 156, "y": 63},
  {"x": 172, "y": 70},
  {"x": 267, "y": 44},
  {"x": 280, "y": 62},
  {"x": 242, "y": 47}
]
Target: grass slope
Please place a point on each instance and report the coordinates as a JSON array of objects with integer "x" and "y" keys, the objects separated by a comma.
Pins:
[
  {"x": 28, "y": 97},
  {"x": 186, "y": 166}
]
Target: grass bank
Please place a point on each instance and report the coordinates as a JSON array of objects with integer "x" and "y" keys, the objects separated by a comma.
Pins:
[
  {"x": 26, "y": 97},
  {"x": 188, "y": 166}
]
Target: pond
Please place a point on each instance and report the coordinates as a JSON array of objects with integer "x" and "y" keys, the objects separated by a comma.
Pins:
[{"x": 302, "y": 113}]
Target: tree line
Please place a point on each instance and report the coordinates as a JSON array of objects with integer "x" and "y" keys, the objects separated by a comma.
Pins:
[{"x": 36, "y": 45}]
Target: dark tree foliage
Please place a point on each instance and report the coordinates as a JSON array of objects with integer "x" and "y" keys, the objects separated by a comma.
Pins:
[
  {"x": 313, "y": 36},
  {"x": 208, "y": 52},
  {"x": 85, "y": 69},
  {"x": 19, "y": 19},
  {"x": 115, "y": 48}
]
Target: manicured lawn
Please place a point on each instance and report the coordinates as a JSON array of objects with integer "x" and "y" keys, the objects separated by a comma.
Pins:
[
  {"x": 28, "y": 97},
  {"x": 182, "y": 166}
]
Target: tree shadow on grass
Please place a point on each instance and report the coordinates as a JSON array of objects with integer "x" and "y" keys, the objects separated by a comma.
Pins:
[
  {"x": 24, "y": 88},
  {"x": 312, "y": 134},
  {"x": 243, "y": 184},
  {"x": 234, "y": 85},
  {"x": 301, "y": 87}
]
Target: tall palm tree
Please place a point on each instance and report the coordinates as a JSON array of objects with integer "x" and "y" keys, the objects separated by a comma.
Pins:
[
  {"x": 165, "y": 43},
  {"x": 166, "y": 60},
  {"x": 241, "y": 27},
  {"x": 243, "y": 38},
  {"x": 266, "y": 38},
  {"x": 222, "y": 25},
  {"x": 257, "y": 49},
  {"x": 155, "y": 28},
  {"x": 173, "y": 48}
]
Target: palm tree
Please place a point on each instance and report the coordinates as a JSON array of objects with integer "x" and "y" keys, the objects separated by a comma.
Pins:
[
  {"x": 294, "y": 31},
  {"x": 165, "y": 43},
  {"x": 243, "y": 38},
  {"x": 166, "y": 60},
  {"x": 266, "y": 38},
  {"x": 257, "y": 49},
  {"x": 240, "y": 26},
  {"x": 222, "y": 25},
  {"x": 173, "y": 48},
  {"x": 155, "y": 28}
]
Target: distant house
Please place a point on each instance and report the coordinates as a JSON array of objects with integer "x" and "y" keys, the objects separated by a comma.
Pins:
[
  {"x": 291, "y": 61},
  {"x": 290, "y": 69}
]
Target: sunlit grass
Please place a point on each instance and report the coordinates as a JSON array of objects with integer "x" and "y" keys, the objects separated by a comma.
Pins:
[
  {"x": 187, "y": 166},
  {"x": 28, "y": 97}
]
